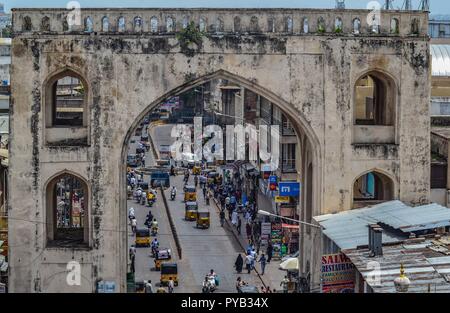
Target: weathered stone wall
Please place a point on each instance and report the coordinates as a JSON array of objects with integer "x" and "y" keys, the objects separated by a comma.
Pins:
[{"x": 310, "y": 76}]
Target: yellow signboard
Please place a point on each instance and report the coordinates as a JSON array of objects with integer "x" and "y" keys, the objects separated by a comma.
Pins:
[{"x": 280, "y": 199}]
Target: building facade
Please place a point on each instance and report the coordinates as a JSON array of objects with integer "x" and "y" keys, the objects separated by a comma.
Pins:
[{"x": 357, "y": 96}]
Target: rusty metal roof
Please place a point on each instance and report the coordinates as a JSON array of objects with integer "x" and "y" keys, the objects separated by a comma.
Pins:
[{"x": 427, "y": 269}]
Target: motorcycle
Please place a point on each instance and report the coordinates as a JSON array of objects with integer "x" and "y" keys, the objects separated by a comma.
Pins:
[
  {"x": 154, "y": 230},
  {"x": 150, "y": 202},
  {"x": 210, "y": 285},
  {"x": 172, "y": 195},
  {"x": 142, "y": 200}
]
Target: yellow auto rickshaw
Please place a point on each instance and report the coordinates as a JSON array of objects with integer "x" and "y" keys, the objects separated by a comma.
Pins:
[
  {"x": 163, "y": 255},
  {"x": 203, "y": 219},
  {"x": 191, "y": 211},
  {"x": 197, "y": 169},
  {"x": 190, "y": 193},
  {"x": 212, "y": 177},
  {"x": 142, "y": 237},
  {"x": 169, "y": 271}
]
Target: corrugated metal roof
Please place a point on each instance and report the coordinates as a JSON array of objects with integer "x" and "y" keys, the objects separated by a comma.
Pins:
[
  {"x": 427, "y": 270},
  {"x": 439, "y": 17},
  {"x": 440, "y": 60},
  {"x": 349, "y": 229}
]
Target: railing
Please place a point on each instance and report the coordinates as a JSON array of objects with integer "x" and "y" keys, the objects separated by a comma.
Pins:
[{"x": 157, "y": 21}]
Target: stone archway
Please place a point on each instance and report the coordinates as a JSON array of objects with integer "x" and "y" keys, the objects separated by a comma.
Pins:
[{"x": 306, "y": 140}]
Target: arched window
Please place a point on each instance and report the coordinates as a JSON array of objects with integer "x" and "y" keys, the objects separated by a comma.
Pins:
[
  {"x": 375, "y": 25},
  {"x": 88, "y": 25},
  {"x": 288, "y": 25},
  {"x": 45, "y": 24},
  {"x": 170, "y": 24},
  {"x": 105, "y": 24},
  {"x": 67, "y": 211},
  {"x": 65, "y": 25},
  {"x": 372, "y": 188},
  {"x": 185, "y": 22},
  {"x": 338, "y": 25},
  {"x": 415, "y": 26},
  {"x": 394, "y": 26},
  {"x": 254, "y": 27},
  {"x": 271, "y": 24},
  {"x": 202, "y": 24},
  {"x": 138, "y": 24},
  {"x": 154, "y": 24},
  {"x": 375, "y": 100},
  {"x": 305, "y": 25},
  {"x": 356, "y": 26},
  {"x": 121, "y": 24},
  {"x": 237, "y": 24},
  {"x": 67, "y": 107},
  {"x": 219, "y": 25},
  {"x": 321, "y": 25},
  {"x": 26, "y": 25}
]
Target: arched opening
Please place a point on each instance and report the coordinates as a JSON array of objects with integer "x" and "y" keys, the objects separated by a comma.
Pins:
[
  {"x": 305, "y": 25},
  {"x": 395, "y": 26},
  {"x": 26, "y": 24},
  {"x": 154, "y": 24},
  {"x": 45, "y": 24},
  {"x": 202, "y": 24},
  {"x": 220, "y": 26},
  {"x": 88, "y": 25},
  {"x": 289, "y": 25},
  {"x": 415, "y": 26},
  {"x": 321, "y": 28},
  {"x": 254, "y": 26},
  {"x": 66, "y": 101},
  {"x": 375, "y": 100},
  {"x": 356, "y": 26},
  {"x": 271, "y": 24},
  {"x": 185, "y": 22},
  {"x": 170, "y": 24},
  {"x": 121, "y": 24},
  {"x": 375, "y": 109},
  {"x": 221, "y": 99},
  {"x": 105, "y": 24},
  {"x": 372, "y": 188},
  {"x": 138, "y": 24},
  {"x": 237, "y": 24},
  {"x": 67, "y": 211},
  {"x": 338, "y": 25}
]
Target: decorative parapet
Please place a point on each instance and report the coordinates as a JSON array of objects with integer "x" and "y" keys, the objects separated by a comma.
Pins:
[{"x": 220, "y": 21}]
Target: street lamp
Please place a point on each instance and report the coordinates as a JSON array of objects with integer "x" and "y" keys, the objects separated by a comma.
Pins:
[{"x": 265, "y": 213}]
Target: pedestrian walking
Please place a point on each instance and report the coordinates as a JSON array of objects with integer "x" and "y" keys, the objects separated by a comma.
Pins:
[
  {"x": 132, "y": 251},
  {"x": 268, "y": 290},
  {"x": 132, "y": 268},
  {"x": 171, "y": 285},
  {"x": 263, "y": 290},
  {"x": 248, "y": 263},
  {"x": 222, "y": 217},
  {"x": 269, "y": 252},
  {"x": 284, "y": 283},
  {"x": 234, "y": 217},
  {"x": 148, "y": 286},
  {"x": 248, "y": 230},
  {"x": 239, "y": 263},
  {"x": 204, "y": 192},
  {"x": 262, "y": 260},
  {"x": 133, "y": 225},
  {"x": 239, "y": 222}
]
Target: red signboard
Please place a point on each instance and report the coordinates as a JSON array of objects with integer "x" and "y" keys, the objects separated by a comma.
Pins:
[{"x": 338, "y": 274}]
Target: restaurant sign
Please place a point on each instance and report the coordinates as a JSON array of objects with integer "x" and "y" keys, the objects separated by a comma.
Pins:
[{"x": 338, "y": 274}]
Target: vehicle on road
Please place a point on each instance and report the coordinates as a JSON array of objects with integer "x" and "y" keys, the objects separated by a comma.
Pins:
[
  {"x": 163, "y": 255},
  {"x": 169, "y": 271},
  {"x": 187, "y": 160},
  {"x": 203, "y": 219},
  {"x": 214, "y": 178},
  {"x": 173, "y": 194},
  {"x": 191, "y": 209},
  {"x": 142, "y": 237},
  {"x": 248, "y": 289},
  {"x": 160, "y": 179},
  {"x": 190, "y": 193},
  {"x": 140, "y": 150},
  {"x": 139, "y": 287},
  {"x": 209, "y": 284},
  {"x": 197, "y": 169},
  {"x": 132, "y": 160}
]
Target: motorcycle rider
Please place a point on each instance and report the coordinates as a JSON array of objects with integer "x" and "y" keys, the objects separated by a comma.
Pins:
[
  {"x": 155, "y": 246},
  {"x": 173, "y": 192},
  {"x": 131, "y": 213},
  {"x": 154, "y": 226},
  {"x": 143, "y": 197},
  {"x": 138, "y": 195},
  {"x": 148, "y": 219}
]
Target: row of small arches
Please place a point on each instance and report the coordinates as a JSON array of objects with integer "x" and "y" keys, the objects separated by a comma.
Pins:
[{"x": 218, "y": 26}]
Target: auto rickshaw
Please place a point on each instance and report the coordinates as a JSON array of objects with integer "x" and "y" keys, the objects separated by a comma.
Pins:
[
  {"x": 163, "y": 255},
  {"x": 142, "y": 237},
  {"x": 190, "y": 193},
  {"x": 191, "y": 211},
  {"x": 212, "y": 177},
  {"x": 197, "y": 169},
  {"x": 140, "y": 287},
  {"x": 169, "y": 271},
  {"x": 203, "y": 219}
]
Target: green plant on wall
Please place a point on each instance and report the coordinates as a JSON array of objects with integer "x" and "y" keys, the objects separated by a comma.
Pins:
[
  {"x": 338, "y": 29},
  {"x": 190, "y": 39},
  {"x": 321, "y": 29}
]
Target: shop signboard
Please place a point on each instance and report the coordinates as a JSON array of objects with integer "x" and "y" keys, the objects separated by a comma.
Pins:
[
  {"x": 265, "y": 233},
  {"x": 281, "y": 199},
  {"x": 338, "y": 274},
  {"x": 289, "y": 189},
  {"x": 106, "y": 287},
  {"x": 277, "y": 238}
]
